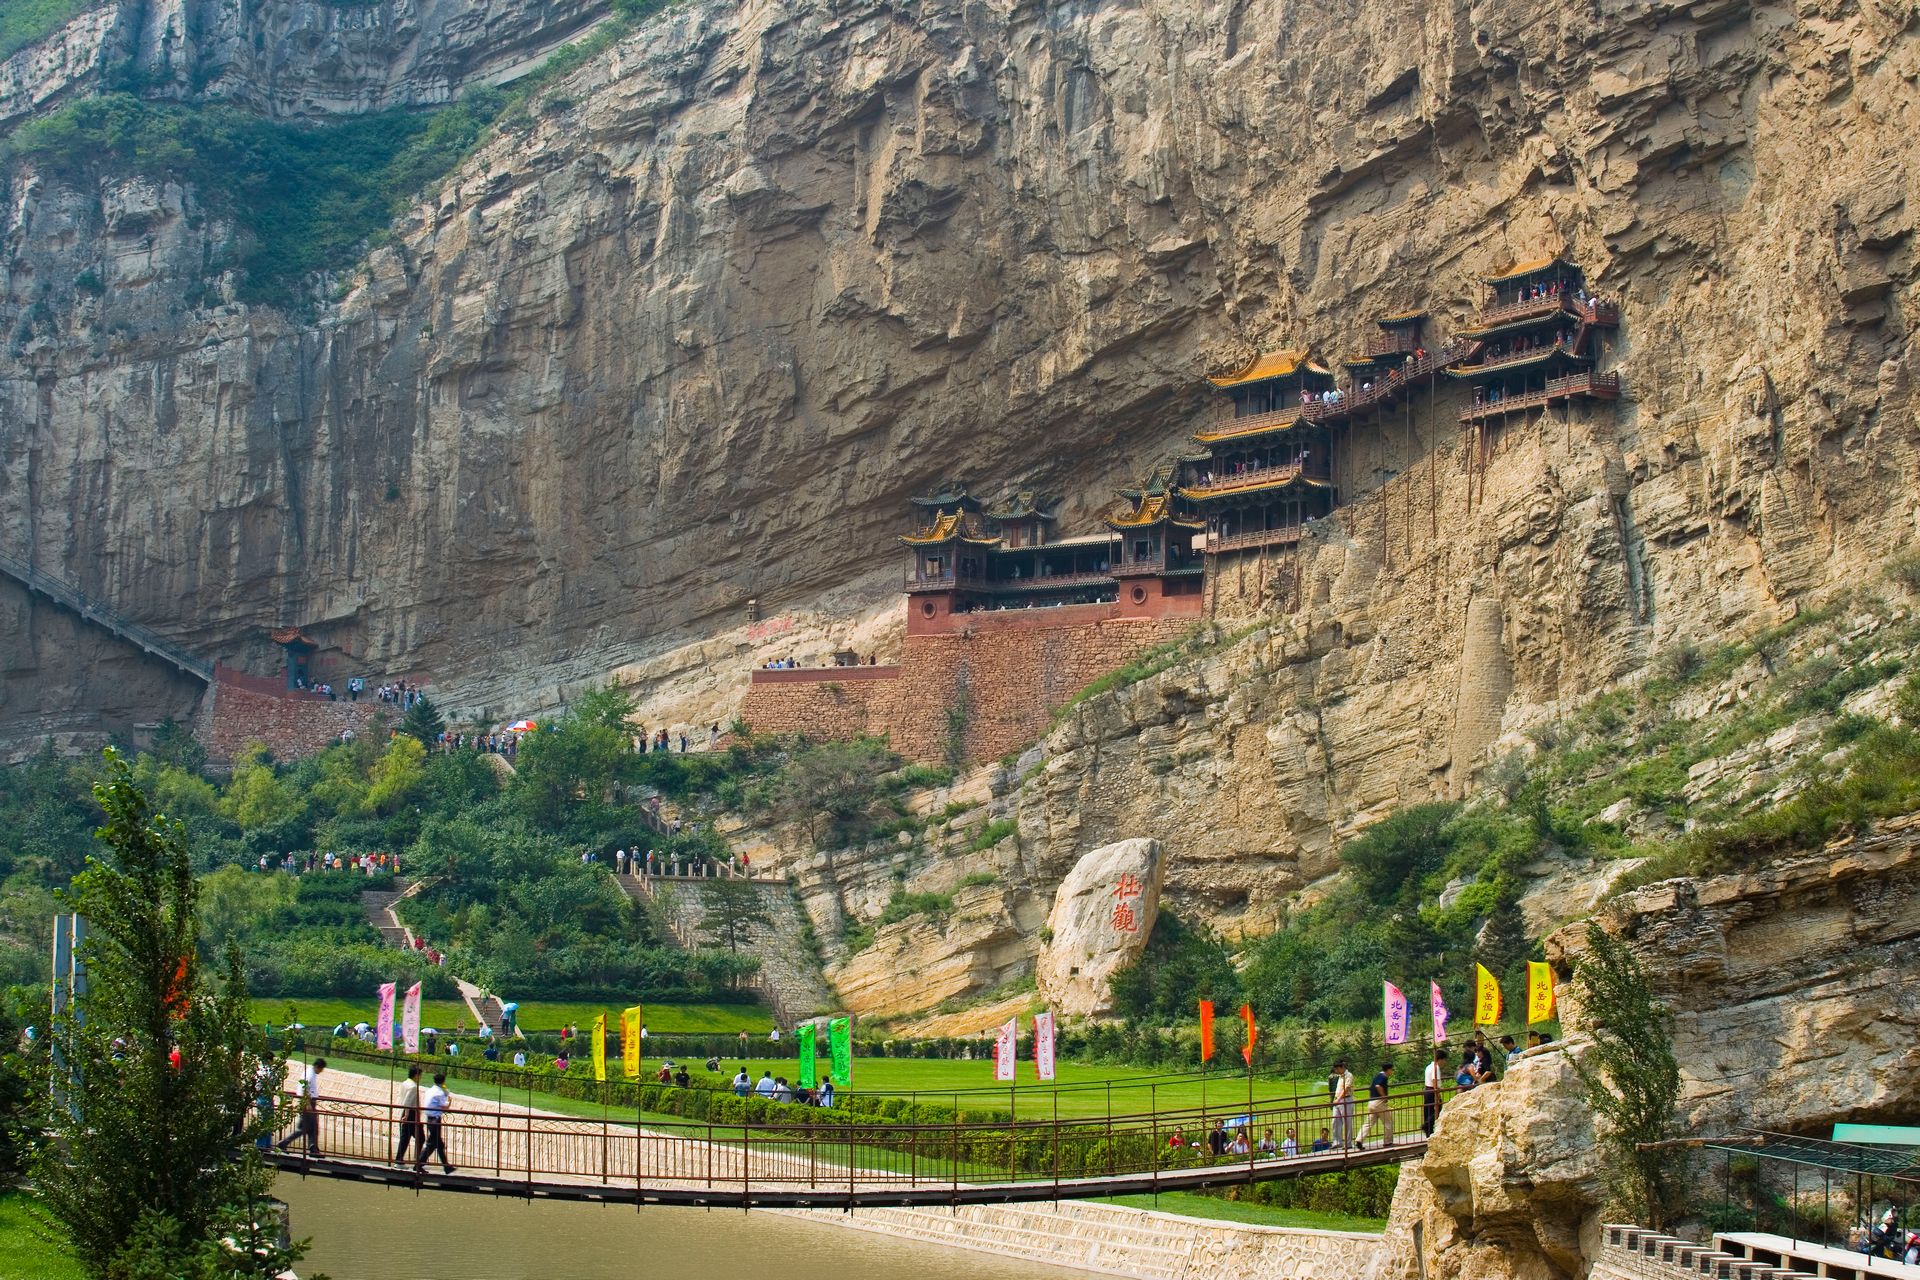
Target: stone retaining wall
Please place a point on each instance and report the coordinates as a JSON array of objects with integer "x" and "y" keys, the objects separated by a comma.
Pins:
[
  {"x": 240, "y": 710},
  {"x": 986, "y": 689},
  {"x": 1121, "y": 1241}
]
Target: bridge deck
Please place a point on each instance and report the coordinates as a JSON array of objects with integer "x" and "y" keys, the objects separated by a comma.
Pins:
[
  {"x": 828, "y": 1195},
  {"x": 815, "y": 1160}
]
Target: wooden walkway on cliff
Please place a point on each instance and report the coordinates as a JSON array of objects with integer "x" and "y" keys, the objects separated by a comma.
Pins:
[{"x": 827, "y": 1158}]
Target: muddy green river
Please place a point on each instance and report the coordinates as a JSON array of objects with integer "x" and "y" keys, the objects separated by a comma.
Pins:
[{"x": 376, "y": 1233}]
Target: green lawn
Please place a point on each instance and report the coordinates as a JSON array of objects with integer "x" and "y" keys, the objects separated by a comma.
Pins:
[
  {"x": 665, "y": 1019},
  {"x": 327, "y": 1012},
  {"x": 1084, "y": 1089},
  {"x": 1189, "y": 1204},
  {"x": 25, "y": 1254}
]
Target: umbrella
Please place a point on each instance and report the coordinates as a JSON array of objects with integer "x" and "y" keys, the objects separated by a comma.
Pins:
[{"x": 522, "y": 726}]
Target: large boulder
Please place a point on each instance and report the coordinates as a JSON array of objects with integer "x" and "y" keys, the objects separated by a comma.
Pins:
[
  {"x": 1512, "y": 1182},
  {"x": 1101, "y": 917}
]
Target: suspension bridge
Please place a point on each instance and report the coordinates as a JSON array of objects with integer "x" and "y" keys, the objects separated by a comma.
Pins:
[{"x": 826, "y": 1158}]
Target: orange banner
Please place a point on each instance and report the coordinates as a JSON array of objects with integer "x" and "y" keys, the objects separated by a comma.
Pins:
[
  {"x": 1253, "y": 1032},
  {"x": 1206, "y": 1031}
]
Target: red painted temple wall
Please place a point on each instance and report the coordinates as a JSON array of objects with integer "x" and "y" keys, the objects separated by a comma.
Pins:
[{"x": 241, "y": 709}]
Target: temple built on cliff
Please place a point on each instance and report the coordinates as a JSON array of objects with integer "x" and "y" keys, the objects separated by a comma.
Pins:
[
  {"x": 1008, "y": 617},
  {"x": 1266, "y": 466}
]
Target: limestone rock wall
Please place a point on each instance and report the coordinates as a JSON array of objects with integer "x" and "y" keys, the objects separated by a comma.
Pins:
[
  {"x": 291, "y": 57},
  {"x": 768, "y": 268}
]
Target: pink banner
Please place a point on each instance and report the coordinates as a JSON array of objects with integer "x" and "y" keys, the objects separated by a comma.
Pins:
[
  {"x": 1043, "y": 1045},
  {"x": 1003, "y": 1050},
  {"x": 1396, "y": 1015},
  {"x": 1440, "y": 1015},
  {"x": 410, "y": 1019},
  {"x": 383, "y": 1037}
]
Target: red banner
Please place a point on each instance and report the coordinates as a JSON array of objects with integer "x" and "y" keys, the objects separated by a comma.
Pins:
[
  {"x": 1253, "y": 1032},
  {"x": 1206, "y": 1031}
]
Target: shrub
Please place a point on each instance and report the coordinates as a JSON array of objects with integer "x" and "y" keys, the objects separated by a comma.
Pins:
[{"x": 992, "y": 834}]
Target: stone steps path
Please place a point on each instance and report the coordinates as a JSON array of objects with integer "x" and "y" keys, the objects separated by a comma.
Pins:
[
  {"x": 378, "y": 904},
  {"x": 789, "y": 978}
]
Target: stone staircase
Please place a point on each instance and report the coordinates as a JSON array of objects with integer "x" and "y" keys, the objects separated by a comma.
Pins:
[
  {"x": 378, "y": 904},
  {"x": 789, "y": 979}
]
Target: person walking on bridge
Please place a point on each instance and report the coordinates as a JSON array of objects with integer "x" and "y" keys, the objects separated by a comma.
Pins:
[
  {"x": 1430, "y": 1092},
  {"x": 438, "y": 1102},
  {"x": 1340, "y": 1089},
  {"x": 411, "y": 1133},
  {"x": 307, "y": 1124},
  {"x": 1379, "y": 1107}
]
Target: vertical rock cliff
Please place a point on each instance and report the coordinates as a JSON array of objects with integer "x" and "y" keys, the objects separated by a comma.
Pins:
[{"x": 762, "y": 270}]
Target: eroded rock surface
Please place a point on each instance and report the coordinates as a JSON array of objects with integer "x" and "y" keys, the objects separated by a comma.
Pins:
[{"x": 764, "y": 269}]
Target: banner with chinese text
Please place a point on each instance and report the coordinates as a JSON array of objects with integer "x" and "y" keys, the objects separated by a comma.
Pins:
[{"x": 1043, "y": 1045}]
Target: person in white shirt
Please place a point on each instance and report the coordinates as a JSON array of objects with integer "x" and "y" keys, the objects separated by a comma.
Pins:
[
  {"x": 1291, "y": 1147},
  {"x": 411, "y": 1132},
  {"x": 437, "y": 1101},
  {"x": 308, "y": 1124},
  {"x": 766, "y": 1086},
  {"x": 1437, "y": 1075}
]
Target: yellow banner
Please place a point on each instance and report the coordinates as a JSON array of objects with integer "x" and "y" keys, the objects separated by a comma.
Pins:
[
  {"x": 630, "y": 1042},
  {"x": 600, "y": 1047},
  {"x": 1539, "y": 992},
  {"x": 1486, "y": 997}
]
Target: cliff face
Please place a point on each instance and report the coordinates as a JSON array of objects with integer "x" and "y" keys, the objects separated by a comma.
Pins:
[
  {"x": 298, "y": 58},
  {"x": 765, "y": 269}
]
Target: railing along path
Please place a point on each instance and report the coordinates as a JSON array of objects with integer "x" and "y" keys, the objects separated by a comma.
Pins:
[{"x": 830, "y": 1157}]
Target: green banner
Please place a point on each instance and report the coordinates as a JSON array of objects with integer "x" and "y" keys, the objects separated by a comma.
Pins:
[
  {"x": 840, "y": 1045},
  {"x": 805, "y": 1036}
]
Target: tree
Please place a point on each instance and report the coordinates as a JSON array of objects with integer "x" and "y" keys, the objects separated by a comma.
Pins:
[
  {"x": 258, "y": 798},
  {"x": 423, "y": 723},
  {"x": 1504, "y": 940},
  {"x": 1631, "y": 1078},
  {"x": 839, "y": 780},
  {"x": 395, "y": 775},
  {"x": 733, "y": 913},
  {"x": 151, "y": 1164}
]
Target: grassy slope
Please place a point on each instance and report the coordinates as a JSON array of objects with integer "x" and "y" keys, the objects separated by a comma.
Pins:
[{"x": 25, "y": 1254}]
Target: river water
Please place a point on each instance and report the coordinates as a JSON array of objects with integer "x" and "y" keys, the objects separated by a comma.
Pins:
[{"x": 362, "y": 1232}]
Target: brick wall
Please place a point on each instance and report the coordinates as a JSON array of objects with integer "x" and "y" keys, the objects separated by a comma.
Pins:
[
  {"x": 1007, "y": 672},
  {"x": 240, "y": 709}
]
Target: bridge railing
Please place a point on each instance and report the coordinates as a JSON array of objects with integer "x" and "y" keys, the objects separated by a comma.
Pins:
[{"x": 819, "y": 1148}]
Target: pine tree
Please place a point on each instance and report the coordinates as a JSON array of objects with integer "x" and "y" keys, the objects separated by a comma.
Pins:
[
  {"x": 423, "y": 721},
  {"x": 151, "y": 1163},
  {"x": 1503, "y": 942},
  {"x": 733, "y": 913}
]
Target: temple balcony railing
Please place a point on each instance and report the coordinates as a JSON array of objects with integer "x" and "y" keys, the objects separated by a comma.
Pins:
[
  {"x": 1218, "y": 486},
  {"x": 1524, "y": 308},
  {"x": 1389, "y": 343},
  {"x": 1598, "y": 386},
  {"x": 1520, "y": 357},
  {"x": 1284, "y": 536},
  {"x": 1254, "y": 422},
  {"x": 1154, "y": 566},
  {"x": 1047, "y": 582},
  {"x": 943, "y": 581}
]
